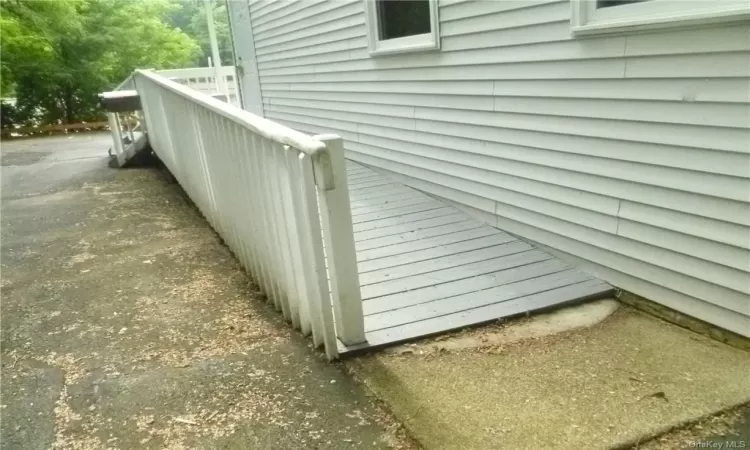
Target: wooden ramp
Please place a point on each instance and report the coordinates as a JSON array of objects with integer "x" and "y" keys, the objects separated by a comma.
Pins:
[{"x": 425, "y": 267}]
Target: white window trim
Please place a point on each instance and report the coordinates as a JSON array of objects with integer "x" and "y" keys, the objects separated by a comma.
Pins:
[
  {"x": 586, "y": 19},
  {"x": 416, "y": 43}
]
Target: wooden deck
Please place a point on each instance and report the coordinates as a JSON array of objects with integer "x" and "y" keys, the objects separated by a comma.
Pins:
[{"x": 425, "y": 267}]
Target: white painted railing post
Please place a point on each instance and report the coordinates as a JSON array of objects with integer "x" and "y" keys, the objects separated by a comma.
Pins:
[
  {"x": 333, "y": 199},
  {"x": 114, "y": 127}
]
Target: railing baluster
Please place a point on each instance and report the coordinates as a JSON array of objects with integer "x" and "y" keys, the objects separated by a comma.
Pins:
[
  {"x": 229, "y": 190},
  {"x": 166, "y": 141},
  {"x": 217, "y": 174},
  {"x": 228, "y": 184},
  {"x": 245, "y": 208},
  {"x": 262, "y": 278},
  {"x": 235, "y": 188},
  {"x": 197, "y": 125},
  {"x": 190, "y": 145},
  {"x": 295, "y": 218},
  {"x": 278, "y": 164},
  {"x": 244, "y": 196},
  {"x": 257, "y": 156},
  {"x": 273, "y": 215}
]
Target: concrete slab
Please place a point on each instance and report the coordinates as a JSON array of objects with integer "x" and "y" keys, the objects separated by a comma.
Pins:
[
  {"x": 613, "y": 384},
  {"x": 126, "y": 323}
]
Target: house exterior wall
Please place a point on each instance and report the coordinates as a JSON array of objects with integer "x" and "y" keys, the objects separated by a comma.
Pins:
[{"x": 628, "y": 154}]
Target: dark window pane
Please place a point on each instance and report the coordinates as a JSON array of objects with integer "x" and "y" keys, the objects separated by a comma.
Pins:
[
  {"x": 608, "y": 3},
  {"x": 399, "y": 18}
]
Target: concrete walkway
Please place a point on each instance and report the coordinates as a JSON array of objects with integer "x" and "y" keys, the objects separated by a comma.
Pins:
[
  {"x": 573, "y": 379},
  {"x": 126, "y": 323}
]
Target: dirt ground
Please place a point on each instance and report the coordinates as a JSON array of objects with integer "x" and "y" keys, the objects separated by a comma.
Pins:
[{"x": 127, "y": 324}]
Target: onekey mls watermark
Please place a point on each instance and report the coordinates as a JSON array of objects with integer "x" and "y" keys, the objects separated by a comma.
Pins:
[{"x": 720, "y": 445}]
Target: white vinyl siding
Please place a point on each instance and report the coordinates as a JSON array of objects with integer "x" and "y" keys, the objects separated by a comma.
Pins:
[{"x": 628, "y": 154}]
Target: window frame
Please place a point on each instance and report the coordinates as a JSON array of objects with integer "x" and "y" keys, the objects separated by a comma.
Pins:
[
  {"x": 587, "y": 19},
  {"x": 415, "y": 43}
]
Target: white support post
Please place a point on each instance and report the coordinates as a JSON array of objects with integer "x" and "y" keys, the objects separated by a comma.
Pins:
[
  {"x": 114, "y": 126},
  {"x": 129, "y": 128},
  {"x": 335, "y": 209},
  {"x": 311, "y": 244},
  {"x": 221, "y": 82}
]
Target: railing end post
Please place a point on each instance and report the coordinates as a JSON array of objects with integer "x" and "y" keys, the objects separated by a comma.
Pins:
[
  {"x": 335, "y": 208},
  {"x": 324, "y": 176}
]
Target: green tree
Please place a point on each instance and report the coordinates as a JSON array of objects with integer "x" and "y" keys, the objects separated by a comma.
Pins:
[{"x": 57, "y": 55}]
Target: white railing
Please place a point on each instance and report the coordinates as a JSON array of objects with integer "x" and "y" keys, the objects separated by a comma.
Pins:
[
  {"x": 275, "y": 195},
  {"x": 203, "y": 79}
]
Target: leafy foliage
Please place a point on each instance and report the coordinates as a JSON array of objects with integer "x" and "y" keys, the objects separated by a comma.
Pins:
[{"x": 57, "y": 55}]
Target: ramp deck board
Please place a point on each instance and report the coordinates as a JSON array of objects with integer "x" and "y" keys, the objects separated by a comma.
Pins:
[{"x": 426, "y": 267}]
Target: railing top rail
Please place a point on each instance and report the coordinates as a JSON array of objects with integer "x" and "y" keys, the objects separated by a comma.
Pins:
[
  {"x": 126, "y": 84},
  {"x": 266, "y": 128},
  {"x": 226, "y": 70}
]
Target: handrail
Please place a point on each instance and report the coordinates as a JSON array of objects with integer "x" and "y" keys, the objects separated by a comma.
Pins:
[
  {"x": 127, "y": 83},
  {"x": 196, "y": 72},
  {"x": 264, "y": 127}
]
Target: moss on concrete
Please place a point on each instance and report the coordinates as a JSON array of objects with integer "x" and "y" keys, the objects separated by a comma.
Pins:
[{"x": 685, "y": 321}]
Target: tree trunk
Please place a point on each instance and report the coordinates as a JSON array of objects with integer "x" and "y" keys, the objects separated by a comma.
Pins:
[{"x": 69, "y": 107}]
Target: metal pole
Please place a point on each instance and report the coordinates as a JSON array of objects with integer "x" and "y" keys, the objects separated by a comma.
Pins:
[{"x": 221, "y": 83}]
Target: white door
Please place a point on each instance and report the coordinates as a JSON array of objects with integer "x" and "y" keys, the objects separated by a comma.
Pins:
[{"x": 244, "y": 55}]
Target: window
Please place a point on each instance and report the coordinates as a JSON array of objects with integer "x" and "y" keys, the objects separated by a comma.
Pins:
[
  {"x": 608, "y": 3},
  {"x": 615, "y": 16},
  {"x": 399, "y": 26}
]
